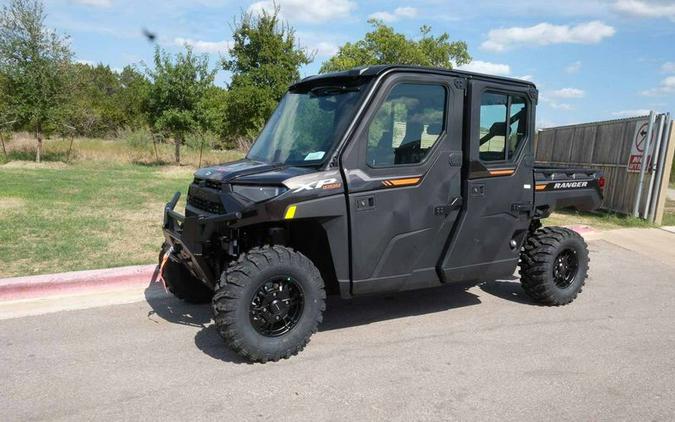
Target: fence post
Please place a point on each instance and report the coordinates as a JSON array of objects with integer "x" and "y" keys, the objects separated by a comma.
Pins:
[
  {"x": 668, "y": 152},
  {"x": 2, "y": 137},
  {"x": 653, "y": 167},
  {"x": 650, "y": 129},
  {"x": 2, "y": 140}
]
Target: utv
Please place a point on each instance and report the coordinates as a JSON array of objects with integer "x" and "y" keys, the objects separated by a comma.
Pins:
[{"x": 375, "y": 180}]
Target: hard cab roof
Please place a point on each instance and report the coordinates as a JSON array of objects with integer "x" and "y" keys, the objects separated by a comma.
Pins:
[{"x": 372, "y": 71}]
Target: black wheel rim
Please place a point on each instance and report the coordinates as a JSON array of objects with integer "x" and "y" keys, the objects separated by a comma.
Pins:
[
  {"x": 565, "y": 268},
  {"x": 276, "y": 307}
]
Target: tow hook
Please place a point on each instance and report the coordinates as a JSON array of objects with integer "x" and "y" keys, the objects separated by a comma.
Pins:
[{"x": 165, "y": 259}]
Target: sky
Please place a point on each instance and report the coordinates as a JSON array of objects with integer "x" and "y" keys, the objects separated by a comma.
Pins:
[{"x": 591, "y": 59}]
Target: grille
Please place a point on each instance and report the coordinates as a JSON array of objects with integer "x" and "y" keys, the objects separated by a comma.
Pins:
[
  {"x": 206, "y": 205},
  {"x": 213, "y": 184}
]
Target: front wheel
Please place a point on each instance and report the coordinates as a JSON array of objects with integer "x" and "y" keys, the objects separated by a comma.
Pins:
[
  {"x": 268, "y": 303},
  {"x": 554, "y": 265}
]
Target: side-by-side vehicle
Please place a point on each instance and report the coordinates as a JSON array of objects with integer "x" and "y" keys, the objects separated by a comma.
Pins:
[{"x": 369, "y": 181}]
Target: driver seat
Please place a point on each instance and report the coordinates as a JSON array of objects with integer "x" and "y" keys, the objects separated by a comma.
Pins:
[{"x": 409, "y": 148}]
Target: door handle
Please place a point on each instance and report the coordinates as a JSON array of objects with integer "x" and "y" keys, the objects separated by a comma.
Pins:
[
  {"x": 365, "y": 202},
  {"x": 444, "y": 210},
  {"x": 521, "y": 207}
]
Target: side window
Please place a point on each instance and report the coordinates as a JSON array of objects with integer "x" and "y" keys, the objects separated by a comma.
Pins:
[
  {"x": 407, "y": 125},
  {"x": 503, "y": 125},
  {"x": 518, "y": 124}
]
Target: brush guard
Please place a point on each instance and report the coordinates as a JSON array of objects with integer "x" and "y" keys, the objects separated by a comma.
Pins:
[{"x": 190, "y": 236}]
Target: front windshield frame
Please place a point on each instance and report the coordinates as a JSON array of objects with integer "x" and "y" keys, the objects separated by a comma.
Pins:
[{"x": 356, "y": 87}]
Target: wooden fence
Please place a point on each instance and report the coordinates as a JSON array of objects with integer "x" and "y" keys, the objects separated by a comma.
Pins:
[{"x": 607, "y": 146}]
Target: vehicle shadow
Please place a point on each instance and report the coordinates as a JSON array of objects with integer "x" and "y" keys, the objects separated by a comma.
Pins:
[
  {"x": 508, "y": 289},
  {"x": 340, "y": 313}
]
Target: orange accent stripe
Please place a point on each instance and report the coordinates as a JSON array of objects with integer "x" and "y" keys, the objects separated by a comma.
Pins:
[
  {"x": 540, "y": 186},
  {"x": 501, "y": 172},
  {"x": 408, "y": 181}
]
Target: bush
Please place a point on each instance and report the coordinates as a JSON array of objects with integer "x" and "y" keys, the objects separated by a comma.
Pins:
[{"x": 138, "y": 139}]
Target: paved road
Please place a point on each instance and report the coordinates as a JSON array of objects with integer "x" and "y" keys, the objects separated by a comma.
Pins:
[{"x": 456, "y": 353}]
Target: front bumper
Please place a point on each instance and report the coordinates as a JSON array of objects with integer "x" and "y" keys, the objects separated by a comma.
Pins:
[{"x": 191, "y": 236}]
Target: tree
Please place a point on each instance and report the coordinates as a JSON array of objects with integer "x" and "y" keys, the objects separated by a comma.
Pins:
[
  {"x": 178, "y": 87},
  {"x": 105, "y": 101},
  {"x": 214, "y": 109},
  {"x": 93, "y": 110},
  {"x": 264, "y": 61},
  {"x": 385, "y": 46},
  {"x": 130, "y": 99},
  {"x": 35, "y": 62}
]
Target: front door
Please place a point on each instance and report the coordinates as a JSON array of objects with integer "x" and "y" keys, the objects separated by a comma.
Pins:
[{"x": 403, "y": 173}]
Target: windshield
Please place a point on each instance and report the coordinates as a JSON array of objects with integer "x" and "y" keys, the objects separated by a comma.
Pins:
[{"x": 306, "y": 125}]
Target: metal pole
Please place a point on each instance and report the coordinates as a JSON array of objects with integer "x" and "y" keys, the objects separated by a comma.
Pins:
[
  {"x": 643, "y": 165},
  {"x": 661, "y": 166},
  {"x": 653, "y": 165}
]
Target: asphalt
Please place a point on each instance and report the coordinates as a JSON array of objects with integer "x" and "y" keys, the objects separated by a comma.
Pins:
[{"x": 453, "y": 353}]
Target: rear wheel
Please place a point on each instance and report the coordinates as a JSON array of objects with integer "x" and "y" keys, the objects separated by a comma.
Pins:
[
  {"x": 554, "y": 265},
  {"x": 269, "y": 303}
]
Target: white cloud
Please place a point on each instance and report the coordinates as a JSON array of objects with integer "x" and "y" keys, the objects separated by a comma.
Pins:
[
  {"x": 561, "y": 106},
  {"x": 545, "y": 33},
  {"x": 398, "y": 13},
  {"x": 307, "y": 11},
  {"x": 200, "y": 46},
  {"x": 324, "y": 48},
  {"x": 573, "y": 67},
  {"x": 567, "y": 93},
  {"x": 646, "y": 9},
  {"x": 406, "y": 12},
  {"x": 631, "y": 113},
  {"x": 543, "y": 124},
  {"x": 666, "y": 87},
  {"x": 480, "y": 66},
  {"x": 550, "y": 98},
  {"x": 325, "y": 45},
  {"x": 668, "y": 67},
  {"x": 95, "y": 3}
]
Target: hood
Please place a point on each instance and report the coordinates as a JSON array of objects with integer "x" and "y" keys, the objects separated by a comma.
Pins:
[{"x": 251, "y": 172}]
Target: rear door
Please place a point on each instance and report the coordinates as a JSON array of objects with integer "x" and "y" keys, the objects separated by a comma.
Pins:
[
  {"x": 403, "y": 173},
  {"x": 499, "y": 186}
]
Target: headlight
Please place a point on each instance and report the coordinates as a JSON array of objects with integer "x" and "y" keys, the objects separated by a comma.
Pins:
[{"x": 258, "y": 193}]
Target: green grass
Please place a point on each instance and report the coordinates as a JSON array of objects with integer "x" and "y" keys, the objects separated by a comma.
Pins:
[
  {"x": 598, "y": 220},
  {"x": 57, "y": 217}
]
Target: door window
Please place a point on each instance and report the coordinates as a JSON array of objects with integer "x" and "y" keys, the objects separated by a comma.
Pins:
[
  {"x": 407, "y": 125},
  {"x": 503, "y": 125}
]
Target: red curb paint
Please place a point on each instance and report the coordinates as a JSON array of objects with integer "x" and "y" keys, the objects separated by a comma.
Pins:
[
  {"x": 76, "y": 282},
  {"x": 582, "y": 229}
]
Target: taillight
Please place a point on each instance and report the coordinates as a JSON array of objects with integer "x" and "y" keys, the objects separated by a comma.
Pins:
[{"x": 601, "y": 182}]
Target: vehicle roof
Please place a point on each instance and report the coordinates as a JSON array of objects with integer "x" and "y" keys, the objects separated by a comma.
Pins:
[{"x": 370, "y": 71}]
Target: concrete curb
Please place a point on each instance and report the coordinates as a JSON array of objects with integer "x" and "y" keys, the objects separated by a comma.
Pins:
[{"x": 76, "y": 282}]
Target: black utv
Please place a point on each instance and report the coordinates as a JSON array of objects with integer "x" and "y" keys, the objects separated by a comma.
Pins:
[{"x": 375, "y": 180}]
